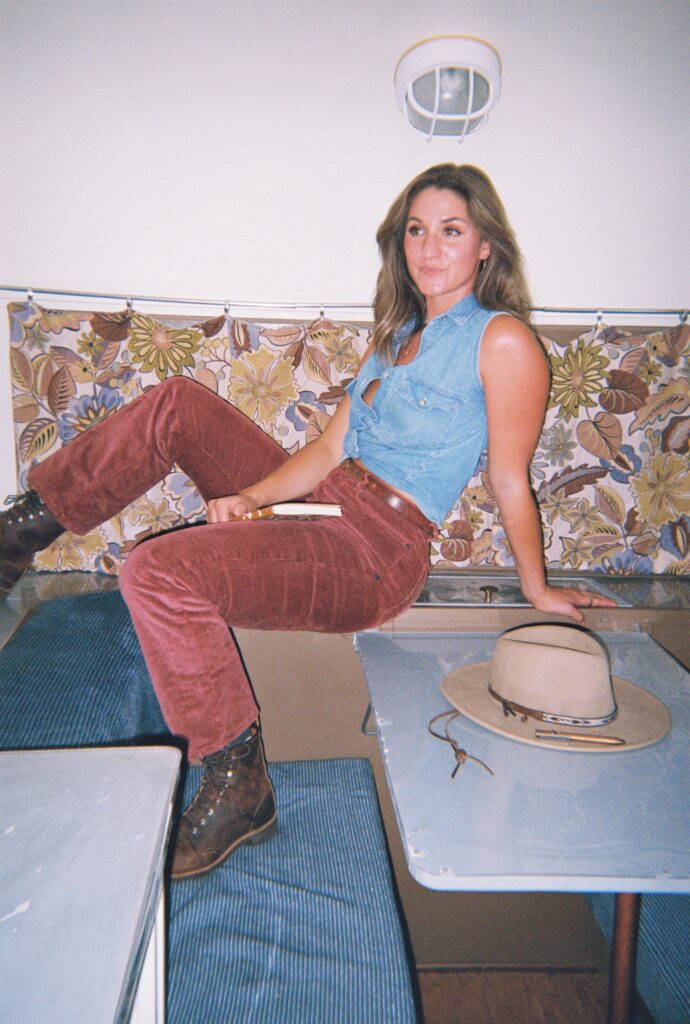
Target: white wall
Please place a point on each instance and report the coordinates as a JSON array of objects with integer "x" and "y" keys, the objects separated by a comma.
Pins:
[{"x": 249, "y": 148}]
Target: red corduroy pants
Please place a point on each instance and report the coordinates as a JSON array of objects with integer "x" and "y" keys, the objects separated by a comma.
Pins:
[{"x": 184, "y": 588}]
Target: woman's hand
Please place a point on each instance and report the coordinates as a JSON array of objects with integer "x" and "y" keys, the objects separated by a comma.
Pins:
[
  {"x": 296, "y": 477},
  {"x": 222, "y": 510},
  {"x": 567, "y": 601}
]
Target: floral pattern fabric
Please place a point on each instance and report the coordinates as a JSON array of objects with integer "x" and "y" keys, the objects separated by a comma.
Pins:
[{"x": 611, "y": 471}]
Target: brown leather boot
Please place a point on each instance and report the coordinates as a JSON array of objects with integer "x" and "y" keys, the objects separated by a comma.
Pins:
[
  {"x": 27, "y": 527},
  {"x": 234, "y": 804}
]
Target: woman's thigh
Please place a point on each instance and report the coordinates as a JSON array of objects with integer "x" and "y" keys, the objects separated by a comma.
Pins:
[{"x": 325, "y": 575}]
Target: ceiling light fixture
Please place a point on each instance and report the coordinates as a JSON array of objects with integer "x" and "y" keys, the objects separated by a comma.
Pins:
[{"x": 446, "y": 86}]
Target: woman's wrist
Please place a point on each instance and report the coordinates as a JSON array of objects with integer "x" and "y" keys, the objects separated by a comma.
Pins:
[
  {"x": 250, "y": 499},
  {"x": 533, "y": 589}
]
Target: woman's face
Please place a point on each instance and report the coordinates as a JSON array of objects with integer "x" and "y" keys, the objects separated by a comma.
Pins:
[{"x": 443, "y": 248}]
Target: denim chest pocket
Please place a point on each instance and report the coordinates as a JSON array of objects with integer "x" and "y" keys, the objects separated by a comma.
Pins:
[{"x": 428, "y": 410}]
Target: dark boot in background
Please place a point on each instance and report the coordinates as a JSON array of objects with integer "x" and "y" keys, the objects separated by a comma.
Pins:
[
  {"x": 234, "y": 804},
  {"x": 25, "y": 528}
]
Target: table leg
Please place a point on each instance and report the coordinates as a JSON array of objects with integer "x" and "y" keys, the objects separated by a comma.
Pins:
[{"x": 622, "y": 965}]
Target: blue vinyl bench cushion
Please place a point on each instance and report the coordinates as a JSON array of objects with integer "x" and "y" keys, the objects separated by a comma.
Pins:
[{"x": 302, "y": 929}]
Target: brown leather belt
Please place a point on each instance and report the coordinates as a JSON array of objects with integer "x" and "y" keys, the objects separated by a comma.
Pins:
[{"x": 389, "y": 496}]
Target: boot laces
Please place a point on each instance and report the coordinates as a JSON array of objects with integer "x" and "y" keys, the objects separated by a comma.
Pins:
[
  {"x": 21, "y": 506},
  {"x": 217, "y": 777}
]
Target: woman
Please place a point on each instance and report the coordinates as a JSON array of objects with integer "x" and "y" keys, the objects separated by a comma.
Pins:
[{"x": 452, "y": 366}]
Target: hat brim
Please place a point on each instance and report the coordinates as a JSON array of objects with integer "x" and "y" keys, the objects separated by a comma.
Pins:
[{"x": 642, "y": 718}]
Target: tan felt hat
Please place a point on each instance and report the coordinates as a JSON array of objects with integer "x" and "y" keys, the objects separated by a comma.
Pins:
[{"x": 556, "y": 679}]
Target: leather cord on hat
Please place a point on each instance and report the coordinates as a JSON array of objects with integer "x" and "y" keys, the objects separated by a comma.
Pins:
[
  {"x": 460, "y": 755},
  {"x": 512, "y": 709}
]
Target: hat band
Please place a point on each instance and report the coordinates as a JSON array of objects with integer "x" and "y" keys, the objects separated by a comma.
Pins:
[{"x": 511, "y": 708}]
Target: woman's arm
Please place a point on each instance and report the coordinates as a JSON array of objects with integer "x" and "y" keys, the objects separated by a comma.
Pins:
[
  {"x": 299, "y": 475},
  {"x": 296, "y": 477},
  {"x": 515, "y": 374}
]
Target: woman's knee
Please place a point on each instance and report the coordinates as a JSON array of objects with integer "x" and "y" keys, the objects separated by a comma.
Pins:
[
  {"x": 177, "y": 388},
  {"x": 144, "y": 568},
  {"x": 167, "y": 567}
]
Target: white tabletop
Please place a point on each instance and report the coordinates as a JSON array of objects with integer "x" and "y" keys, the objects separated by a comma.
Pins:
[
  {"x": 82, "y": 845},
  {"x": 547, "y": 820}
]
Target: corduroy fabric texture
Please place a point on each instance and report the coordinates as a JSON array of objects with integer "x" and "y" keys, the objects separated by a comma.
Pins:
[
  {"x": 74, "y": 675},
  {"x": 184, "y": 587},
  {"x": 663, "y": 951},
  {"x": 303, "y": 928}
]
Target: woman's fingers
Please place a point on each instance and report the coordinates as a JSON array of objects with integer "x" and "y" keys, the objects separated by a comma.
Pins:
[
  {"x": 564, "y": 601},
  {"x": 221, "y": 510}
]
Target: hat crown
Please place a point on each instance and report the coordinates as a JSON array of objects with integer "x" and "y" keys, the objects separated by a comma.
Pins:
[{"x": 554, "y": 671}]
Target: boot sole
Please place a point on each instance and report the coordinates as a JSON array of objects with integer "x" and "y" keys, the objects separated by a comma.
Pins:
[{"x": 254, "y": 837}]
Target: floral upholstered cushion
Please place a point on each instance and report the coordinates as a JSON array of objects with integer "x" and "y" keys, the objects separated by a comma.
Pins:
[{"x": 610, "y": 473}]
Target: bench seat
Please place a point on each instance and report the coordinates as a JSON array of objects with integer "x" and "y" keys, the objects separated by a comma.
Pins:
[{"x": 302, "y": 928}]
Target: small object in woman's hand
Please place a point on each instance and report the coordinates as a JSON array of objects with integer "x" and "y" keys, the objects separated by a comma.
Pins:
[{"x": 292, "y": 510}]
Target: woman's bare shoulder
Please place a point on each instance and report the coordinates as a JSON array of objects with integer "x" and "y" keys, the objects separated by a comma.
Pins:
[
  {"x": 510, "y": 346},
  {"x": 506, "y": 329},
  {"x": 506, "y": 336}
]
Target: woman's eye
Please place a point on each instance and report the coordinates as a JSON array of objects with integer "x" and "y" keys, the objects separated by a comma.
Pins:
[
  {"x": 414, "y": 230},
  {"x": 452, "y": 231}
]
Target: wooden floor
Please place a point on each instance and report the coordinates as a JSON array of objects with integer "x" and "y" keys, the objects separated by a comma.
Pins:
[{"x": 516, "y": 997}]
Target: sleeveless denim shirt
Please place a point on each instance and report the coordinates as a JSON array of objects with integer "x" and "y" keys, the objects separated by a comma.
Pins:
[{"x": 426, "y": 429}]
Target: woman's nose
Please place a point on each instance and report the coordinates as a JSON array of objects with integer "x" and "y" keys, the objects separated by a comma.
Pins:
[{"x": 431, "y": 245}]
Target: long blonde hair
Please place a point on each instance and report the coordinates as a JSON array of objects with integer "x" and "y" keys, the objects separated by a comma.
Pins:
[{"x": 500, "y": 282}]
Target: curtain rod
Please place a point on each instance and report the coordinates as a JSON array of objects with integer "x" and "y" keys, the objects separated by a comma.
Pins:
[{"x": 228, "y": 304}]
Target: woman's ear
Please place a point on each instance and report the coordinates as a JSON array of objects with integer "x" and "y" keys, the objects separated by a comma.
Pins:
[{"x": 485, "y": 250}]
